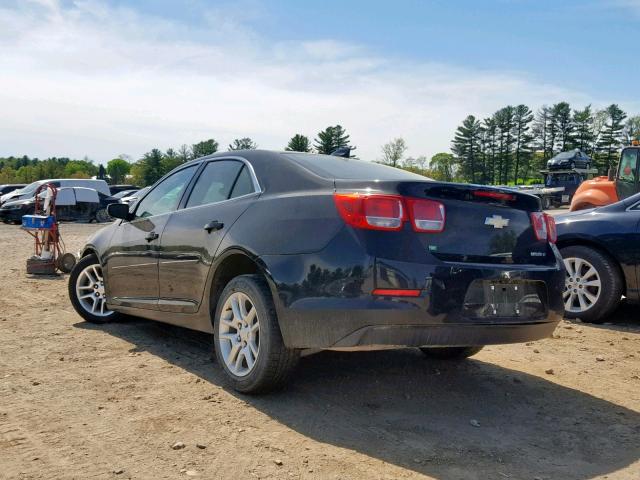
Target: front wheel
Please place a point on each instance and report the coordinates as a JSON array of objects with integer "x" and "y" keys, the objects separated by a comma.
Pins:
[
  {"x": 86, "y": 291},
  {"x": 247, "y": 338},
  {"x": 450, "y": 353},
  {"x": 593, "y": 284}
]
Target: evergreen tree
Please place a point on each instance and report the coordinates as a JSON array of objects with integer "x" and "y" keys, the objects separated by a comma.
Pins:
[
  {"x": 583, "y": 129},
  {"x": 466, "y": 147},
  {"x": 612, "y": 135},
  {"x": 331, "y": 138},
  {"x": 523, "y": 116},
  {"x": 489, "y": 148},
  {"x": 244, "y": 143},
  {"x": 201, "y": 149},
  {"x": 151, "y": 167},
  {"x": 505, "y": 118},
  {"x": 562, "y": 126},
  {"x": 541, "y": 132},
  {"x": 298, "y": 143}
]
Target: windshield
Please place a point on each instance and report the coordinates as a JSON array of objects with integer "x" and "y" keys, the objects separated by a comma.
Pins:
[
  {"x": 29, "y": 189},
  {"x": 564, "y": 156}
]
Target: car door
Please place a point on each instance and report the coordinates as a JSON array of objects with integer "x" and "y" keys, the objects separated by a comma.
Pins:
[
  {"x": 132, "y": 259},
  {"x": 223, "y": 190}
]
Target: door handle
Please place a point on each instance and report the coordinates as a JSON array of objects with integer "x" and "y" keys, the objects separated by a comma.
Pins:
[
  {"x": 151, "y": 237},
  {"x": 214, "y": 225}
]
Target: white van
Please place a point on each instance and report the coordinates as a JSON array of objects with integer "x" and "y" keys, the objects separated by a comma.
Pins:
[{"x": 30, "y": 190}]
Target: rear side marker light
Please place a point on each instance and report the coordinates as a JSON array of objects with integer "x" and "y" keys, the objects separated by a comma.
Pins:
[
  {"x": 495, "y": 195},
  {"x": 544, "y": 227},
  {"x": 387, "y": 292}
]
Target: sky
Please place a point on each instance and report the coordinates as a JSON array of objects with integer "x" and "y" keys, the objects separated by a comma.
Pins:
[{"x": 105, "y": 78}]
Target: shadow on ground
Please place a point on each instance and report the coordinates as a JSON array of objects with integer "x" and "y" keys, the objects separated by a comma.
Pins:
[{"x": 415, "y": 413}]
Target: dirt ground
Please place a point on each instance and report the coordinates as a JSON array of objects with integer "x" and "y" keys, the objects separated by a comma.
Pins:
[{"x": 101, "y": 402}]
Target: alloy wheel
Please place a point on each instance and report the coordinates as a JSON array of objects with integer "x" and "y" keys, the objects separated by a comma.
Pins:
[
  {"x": 90, "y": 291},
  {"x": 582, "y": 285},
  {"x": 239, "y": 334}
]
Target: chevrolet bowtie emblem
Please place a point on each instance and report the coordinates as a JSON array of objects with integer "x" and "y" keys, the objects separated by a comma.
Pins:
[{"x": 496, "y": 221}]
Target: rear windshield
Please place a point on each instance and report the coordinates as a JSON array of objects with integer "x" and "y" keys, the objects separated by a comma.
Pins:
[
  {"x": 331, "y": 167},
  {"x": 564, "y": 156}
]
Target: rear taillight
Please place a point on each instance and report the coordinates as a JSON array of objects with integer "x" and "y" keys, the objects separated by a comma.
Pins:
[
  {"x": 552, "y": 232},
  {"x": 374, "y": 212},
  {"x": 389, "y": 212},
  {"x": 544, "y": 227},
  {"x": 426, "y": 215}
]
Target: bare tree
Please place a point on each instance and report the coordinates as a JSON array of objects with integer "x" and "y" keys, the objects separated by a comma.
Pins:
[{"x": 393, "y": 151}]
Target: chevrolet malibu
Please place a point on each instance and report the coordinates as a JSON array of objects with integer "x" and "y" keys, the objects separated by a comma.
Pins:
[{"x": 278, "y": 253}]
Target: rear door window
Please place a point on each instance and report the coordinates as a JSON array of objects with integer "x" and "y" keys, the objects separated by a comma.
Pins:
[{"x": 215, "y": 183}]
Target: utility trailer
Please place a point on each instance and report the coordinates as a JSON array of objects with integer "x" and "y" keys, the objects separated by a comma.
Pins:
[{"x": 559, "y": 185}]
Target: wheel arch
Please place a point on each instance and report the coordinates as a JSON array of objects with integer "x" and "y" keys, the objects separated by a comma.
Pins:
[
  {"x": 233, "y": 263},
  {"x": 595, "y": 245}
]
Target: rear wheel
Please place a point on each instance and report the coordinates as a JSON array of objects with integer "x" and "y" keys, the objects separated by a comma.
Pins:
[
  {"x": 247, "y": 337},
  {"x": 451, "y": 353},
  {"x": 593, "y": 285},
  {"x": 86, "y": 291}
]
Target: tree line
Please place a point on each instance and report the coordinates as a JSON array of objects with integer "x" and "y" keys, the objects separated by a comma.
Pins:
[
  {"x": 509, "y": 147},
  {"x": 513, "y": 144}
]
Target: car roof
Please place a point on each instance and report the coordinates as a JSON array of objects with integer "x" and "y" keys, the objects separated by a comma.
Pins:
[{"x": 285, "y": 170}]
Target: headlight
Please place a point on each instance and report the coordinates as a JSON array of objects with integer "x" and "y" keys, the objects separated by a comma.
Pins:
[{"x": 12, "y": 207}]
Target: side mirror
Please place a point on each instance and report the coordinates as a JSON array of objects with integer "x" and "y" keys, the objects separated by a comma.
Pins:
[
  {"x": 119, "y": 210},
  {"x": 611, "y": 173}
]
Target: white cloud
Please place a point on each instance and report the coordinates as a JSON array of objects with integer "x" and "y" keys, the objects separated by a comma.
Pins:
[{"x": 90, "y": 79}]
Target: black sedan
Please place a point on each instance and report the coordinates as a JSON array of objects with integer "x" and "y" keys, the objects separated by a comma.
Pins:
[
  {"x": 601, "y": 250},
  {"x": 570, "y": 159},
  {"x": 275, "y": 253}
]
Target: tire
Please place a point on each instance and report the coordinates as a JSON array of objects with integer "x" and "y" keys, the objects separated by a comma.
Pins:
[
  {"x": 272, "y": 361},
  {"x": 102, "y": 216},
  {"x": 546, "y": 203},
  {"x": 588, "y": 296},
  {"x": 86, "y": 272},
  {"x": 451, "y": 353}
]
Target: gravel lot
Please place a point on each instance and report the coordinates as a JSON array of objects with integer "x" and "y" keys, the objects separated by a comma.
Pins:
[{"x": 100, "y": 402}]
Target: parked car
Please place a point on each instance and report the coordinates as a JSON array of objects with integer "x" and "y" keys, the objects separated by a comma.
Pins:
[
  {"x": 119, "y": 188},
  {"x": 73, "y": 204},
  {"x": 601, "y": 251},
  {"x": 124, "y": 193},
  {"x": 279, "y": 252},
  {"x": 10, "y": 187},
  {"x": 30, "y": 190},
  {"x": 570, "y": 159},
  {"x": 133, "y": 198}
]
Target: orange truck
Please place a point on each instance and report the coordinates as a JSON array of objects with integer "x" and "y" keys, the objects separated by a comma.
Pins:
[{"x": 605, "y": 190}]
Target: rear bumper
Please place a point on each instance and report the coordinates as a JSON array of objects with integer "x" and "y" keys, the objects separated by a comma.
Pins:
[
  {"x": 333, "y": 308},
  {"x": 444, "y": 335}
]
